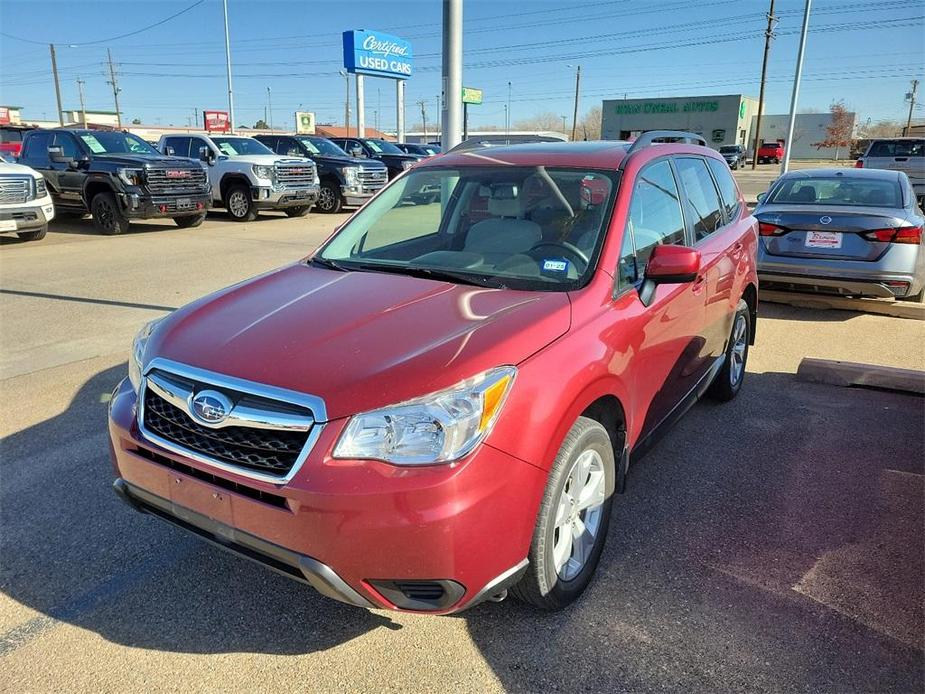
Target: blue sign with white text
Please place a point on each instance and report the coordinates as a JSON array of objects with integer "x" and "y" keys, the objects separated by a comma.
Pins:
[{"x": 374, "y": 53}]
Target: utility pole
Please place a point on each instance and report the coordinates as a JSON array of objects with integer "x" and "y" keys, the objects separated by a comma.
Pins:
[
  {"x": 54, "y": 71},
  {"x": 507, "y": 114},
  {"x": 83, "y": 111},
  {"x": 915, "y": 87},
  {"x": 796, "y": 89},
  {"x": 451, "y": 132},
  {"x": 196, "y": 116},
  {"x": 115, "y": 89},
  {"x": 575, "y": 113},
  {"x": 346, "y": 76},
  {"x": 269, "y": 109},
  {"x": 423, "y": 104},
  {"x": 768, "y": 36},
  {"x": 228, "y": 65}
]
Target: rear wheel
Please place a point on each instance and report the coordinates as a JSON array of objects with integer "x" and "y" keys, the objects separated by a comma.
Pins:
[
  {"x": 239, "y": 204},
  {"x": 329, "y": 199},
  {"x": 729, "y": 379},
  {"x": 574, "y": 515},
  {"x": 299, "y": 211},
  {"x": 107, "y": 217},
  {"x": 915, "y": 298},
  {"x": 190, "y": 222},
  {"x": 35, "y": 235}
]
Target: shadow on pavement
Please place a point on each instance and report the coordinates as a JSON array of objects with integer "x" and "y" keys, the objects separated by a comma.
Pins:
[
  {"x": 774, "y": 311},
  {"x": 772, "y": 543}
]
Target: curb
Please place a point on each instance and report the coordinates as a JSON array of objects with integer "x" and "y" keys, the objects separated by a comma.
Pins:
[
  {"x": 884, "y": 307},
  {"x": 846, "y": 374}
]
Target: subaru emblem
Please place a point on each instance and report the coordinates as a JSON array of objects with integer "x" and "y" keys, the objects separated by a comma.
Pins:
[
  {"x": 825, "y": 220},
  {"x": 211, "y": 407}
]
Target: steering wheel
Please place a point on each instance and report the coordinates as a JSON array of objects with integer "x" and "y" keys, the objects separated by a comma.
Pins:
[{"x": 569, "y": 249}]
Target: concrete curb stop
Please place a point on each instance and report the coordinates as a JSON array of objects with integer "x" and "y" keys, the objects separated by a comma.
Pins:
[
  {"x": 846, "y": 373},
  {"x": 897, "y": 309}
]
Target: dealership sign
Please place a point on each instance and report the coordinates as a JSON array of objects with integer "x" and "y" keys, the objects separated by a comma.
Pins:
[
  {"x": 374, "y": 53},
  {"x": 305, "y": 123},
  {"x": 216, "y": 121},
  {"x": 4, "y": 115},
  {"x": 668, "y": 107},
  {"x": 471, "y": 96}
]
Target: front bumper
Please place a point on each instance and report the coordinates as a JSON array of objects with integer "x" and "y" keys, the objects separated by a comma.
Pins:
[
  {"x": 26, "y": 217},
  {"x": 347, "y": 526},
  {"x": 141, "y": 206},
  {"x": 274, "y": 198}
]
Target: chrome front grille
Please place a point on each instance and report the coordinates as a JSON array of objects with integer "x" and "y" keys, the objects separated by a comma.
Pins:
[
  {"x": 372, "y": 179},
  {"x": 176, "y": 180},
  {"x": 15, "y": 189},
  {"x": 296, "y": 175},
  {"x": 266, "y": 432}
]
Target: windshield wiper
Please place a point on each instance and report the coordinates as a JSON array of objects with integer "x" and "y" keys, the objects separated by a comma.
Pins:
[
  {"x": 439, "y": 274},
  {"x": 318, "y": 261}
]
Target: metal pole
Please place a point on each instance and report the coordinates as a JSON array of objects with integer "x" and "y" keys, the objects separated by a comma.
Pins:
[
  {"x": 400, "y": 110},
  {"x": 423, "y": 105},
  {"x": 361, "y": 107},
  {"x": 507, "y": 114},
  {"x": 768, "y": 35},
  {"x": 270, "y": 108},
  {"x": 575, "y": 113},
  {"x": 54, "y": 71},
  {"x": 83, "y": 110},
  {"x": 915, "y": 86},
  {"x": 115, "y": 89},
  {"x": 796, "y": 89},
  {"x": 228, "y": 64},
  {"x": 451, "y": 134},
  {"x": 465, "y": 121}
]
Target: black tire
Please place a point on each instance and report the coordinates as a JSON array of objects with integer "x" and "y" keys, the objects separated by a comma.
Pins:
[
  {"x": 729, "y": 380},
  {"x": 107, "y": 217},
  {"x": 542, "y": 585},
  {"x": 329, "y": 201},
  {"x": 240, "y": 209},
  {"x": 34, "y": 235},
  {"x": 299, "y": 211},
  {"x": 191, "y": 221},
  {"x": 915, "y": 298}
]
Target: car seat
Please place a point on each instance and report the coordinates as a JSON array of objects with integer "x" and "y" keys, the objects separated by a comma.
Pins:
[{"x": 505, "y": 234}]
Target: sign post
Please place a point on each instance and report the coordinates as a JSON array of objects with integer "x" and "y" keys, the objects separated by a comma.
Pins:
[
  {"x": 473, "y": 96},
  {"x": 304, "y": 123},
  {"x": 373, "y": 53}
]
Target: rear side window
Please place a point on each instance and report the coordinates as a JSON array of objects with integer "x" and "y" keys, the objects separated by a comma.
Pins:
[
  {"x": 897, "y": 148},
  {"x": 655, "y": 219},
  {"x": 181, "y": 146},
  {"x": 36, "y": 147},
  {"x": 701, "y": 195},
  {"x": 68, "y": 145},
  {"x": 10, "y": 135},
  {"x": 727, "y": 188}
]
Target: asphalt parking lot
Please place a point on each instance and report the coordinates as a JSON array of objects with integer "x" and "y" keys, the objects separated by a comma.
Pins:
[{"x": 774, "y": 543}]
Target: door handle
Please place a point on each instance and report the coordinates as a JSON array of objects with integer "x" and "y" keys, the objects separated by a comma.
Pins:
[{"x": 699, "y": 284}]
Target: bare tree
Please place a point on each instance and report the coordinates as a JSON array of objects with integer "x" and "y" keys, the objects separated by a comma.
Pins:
[
  {"x": 880, "y": 128},
  {"x": 839, "y": 130},
  {"x": 590, "y": 124},
  {"x": 541, "y": 121}
]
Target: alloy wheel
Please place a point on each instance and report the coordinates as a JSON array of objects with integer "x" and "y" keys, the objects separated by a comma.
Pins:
[
  {"x": 326, "y": 199},
  {"x": 739, "y": 345},
  {"x": 238, "y": 204},
  {"x": 578, "y": 515}
]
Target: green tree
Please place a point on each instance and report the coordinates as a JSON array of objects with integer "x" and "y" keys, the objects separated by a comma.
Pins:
[
  {"x": 261, "y": 125},
  {"x": 136, "y": 121}
]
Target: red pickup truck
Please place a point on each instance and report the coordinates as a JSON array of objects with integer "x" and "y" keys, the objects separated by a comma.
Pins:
[{"x": 771, "y": 152}]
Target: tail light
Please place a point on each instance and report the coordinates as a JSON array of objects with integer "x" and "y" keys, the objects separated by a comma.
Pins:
[
  {"x": 767, "y": 229},
  {"x": 859, "y": 164},
  {"x": 910, "y": 235}
]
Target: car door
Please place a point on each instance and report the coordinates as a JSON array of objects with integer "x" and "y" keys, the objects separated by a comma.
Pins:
[
  {"x": 180, "y": 146},
  {"x": 667, "y": 354},
  {"x": 35, "y": 155},
  {"x": 714, "y": 239},
  {"x": 70, "y": 177}
]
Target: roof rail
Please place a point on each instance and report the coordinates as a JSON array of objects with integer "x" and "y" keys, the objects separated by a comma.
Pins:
[
  {"x": 647, "y": 138},
  {"x": 468, "y": 145}
]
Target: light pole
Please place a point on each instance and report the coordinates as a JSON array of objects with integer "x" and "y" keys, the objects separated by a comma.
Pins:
[
  {"x": 563, "y": 123},
  {"x": 575, "y": 112},
  {"x": 507, "y": 114},
  {"x": 228, "y": 66},
  {"x": 269, "y": 109},
  {"x": 451, "y": 127},
  {"x": 346, "y": 76},
  {"x": 788, "y": 143}
]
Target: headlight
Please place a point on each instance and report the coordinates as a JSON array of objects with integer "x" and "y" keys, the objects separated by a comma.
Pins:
[
  {"x": 136, "y": 358},
  {"x": 263, "y": 171},
  {"x": 350, "y": 174},
  {"x": 407, "y": 164},
  {"x": 133, "y": 177},
  {"x": 437, "y": 428},
  {"x": 41, "y": 190}
]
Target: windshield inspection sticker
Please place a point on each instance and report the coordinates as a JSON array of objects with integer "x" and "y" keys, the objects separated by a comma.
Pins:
[
  {"x": 555, "y": 265},
  {"x": 93, "y": 144}
]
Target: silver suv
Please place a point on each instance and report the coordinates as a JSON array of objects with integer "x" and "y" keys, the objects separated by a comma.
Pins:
[{"x": 906, "y": 154}]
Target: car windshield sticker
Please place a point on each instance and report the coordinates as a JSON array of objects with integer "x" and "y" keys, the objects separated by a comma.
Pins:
[
  {"x": 310, "y": 146},
  {"x": 93, "y": 144},
  {"x": 228, "y": 149},
  {"x": 374, "y": 147},
  {"x": 555, "y": 265}
]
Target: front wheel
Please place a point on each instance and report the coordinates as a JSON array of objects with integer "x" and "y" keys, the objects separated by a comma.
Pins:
[
  {"x": 239, "y": 204},
  {"x": 329, "y": 199},
  {"x": 35, "y": 235},
  {"x": 107, "y": 217},
  {"x": 572, "y": 523},
  {"x": 190, "y": 222},
  {"x": 299, "y": 211},
  {"x": 728, "y": 381}
]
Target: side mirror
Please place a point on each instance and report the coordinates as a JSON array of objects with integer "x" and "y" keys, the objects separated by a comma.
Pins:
[
  {"x": 56, "y": 154},
  {"x": 206, "y": 155},
  {"x": 762, "y": 196},
  {"x": 170, "y": 151},
  {"x": 669, "y": 265}
]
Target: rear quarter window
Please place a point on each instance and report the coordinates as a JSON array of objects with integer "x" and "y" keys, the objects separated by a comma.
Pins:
[{"x": 727, "y": 188}]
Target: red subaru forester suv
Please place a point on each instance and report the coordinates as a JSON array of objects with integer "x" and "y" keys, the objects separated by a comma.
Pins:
[{"x": 440, "y": 404}]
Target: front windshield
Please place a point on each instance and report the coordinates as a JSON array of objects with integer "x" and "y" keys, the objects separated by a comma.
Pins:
[
  {"x": 513, "y": 226},
  {"x": 238, "y": 146},
  {"x": 323, "y": 146},
  {"x": 729, "y": 149},
  {"x": 383, "y": 147},
  {"x": 112, "y": 142},
  {"x": 837, "y": 191}
]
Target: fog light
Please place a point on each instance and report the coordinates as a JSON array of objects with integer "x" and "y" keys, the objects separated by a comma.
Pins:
[{"x": 425, "y": 596}]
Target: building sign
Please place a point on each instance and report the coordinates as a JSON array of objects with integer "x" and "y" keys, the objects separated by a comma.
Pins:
[
  {"x": 4, "y": 115},
  {"x": 668, "y": 107},
  {"x": 374, "y": 53},
  {"x": 304, "y": 123},
  {"x": 471, "y": 96},
  {"x": 216, "y": 121}
]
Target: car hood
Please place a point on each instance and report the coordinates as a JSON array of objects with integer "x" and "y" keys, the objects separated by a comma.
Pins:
[
  {"x": 17, "y": 169},
  {"x": 144, "y": 160},
  {"x": 266, "y": 159},
  {"x": 359, "y": 340}
]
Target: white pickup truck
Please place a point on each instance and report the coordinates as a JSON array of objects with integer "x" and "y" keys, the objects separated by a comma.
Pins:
[
  {"x": 25, "y": 205},
  {"x": 246, "y": 175}
]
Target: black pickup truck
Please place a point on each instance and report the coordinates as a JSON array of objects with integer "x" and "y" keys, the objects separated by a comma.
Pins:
[
  {"x": 371, "y": 148},
  {"x": 345, "y": 181},
  {"x": 116, "y": 176}
]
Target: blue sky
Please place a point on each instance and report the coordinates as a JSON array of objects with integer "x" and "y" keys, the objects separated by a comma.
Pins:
[{"x": 862, "y": 51}]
